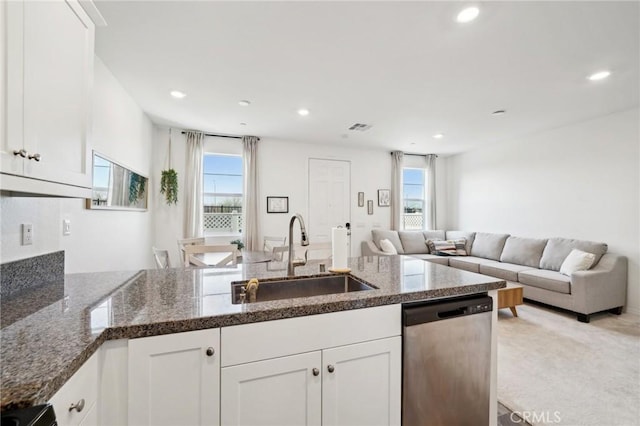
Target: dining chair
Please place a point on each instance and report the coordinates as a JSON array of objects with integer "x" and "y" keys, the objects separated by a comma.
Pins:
[
  {"x": 188, "y": 242},
  {"x": 162, "y": 258},
  {"x": 271, "y": 243},
  {"x": 192, "y": 251}
]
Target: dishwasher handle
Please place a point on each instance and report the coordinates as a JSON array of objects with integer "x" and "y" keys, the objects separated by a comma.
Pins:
[{"x": 421, "y": 313}]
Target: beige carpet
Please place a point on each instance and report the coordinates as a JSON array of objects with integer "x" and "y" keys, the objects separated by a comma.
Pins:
[{"x": 560, "y": 371}]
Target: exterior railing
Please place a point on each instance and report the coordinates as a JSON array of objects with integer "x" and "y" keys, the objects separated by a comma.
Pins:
[
  {"x": 412, "y": 221},
  {"x": 223, "y": 222}
]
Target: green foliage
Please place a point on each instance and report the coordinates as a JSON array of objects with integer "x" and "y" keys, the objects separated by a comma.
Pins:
[
  {"x": 137, "y": 185},
  {"x": 239, "y": 243},
  {"x": 169, "y": 186}
]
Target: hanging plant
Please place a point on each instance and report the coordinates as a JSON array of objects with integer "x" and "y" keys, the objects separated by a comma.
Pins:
[
  {"x": 169, "y": 181},
  {"x": 169, "y": 186}
]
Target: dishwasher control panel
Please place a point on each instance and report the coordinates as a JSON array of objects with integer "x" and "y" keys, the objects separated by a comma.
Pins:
[{"x": 479, "y": 308}]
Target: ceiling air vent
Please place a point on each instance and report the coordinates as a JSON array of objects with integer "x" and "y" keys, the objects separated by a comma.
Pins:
[{"x": 360, "y": 127}]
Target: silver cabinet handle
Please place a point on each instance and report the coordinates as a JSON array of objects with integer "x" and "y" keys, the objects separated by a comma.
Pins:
[
  {"x": 210, "y": 351},
  {"x": 315, "y": 372},
  {"x": 330, "y": 368},
  {"x": 21, "y": 152},
  {"x": 35, "y": 156},
  {"x": 78, "y": 406}
]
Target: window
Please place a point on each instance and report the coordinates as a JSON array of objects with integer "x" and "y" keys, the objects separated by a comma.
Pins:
[
  {"x": 413, "y": 198},
  {"x": 222, "y": 194}
]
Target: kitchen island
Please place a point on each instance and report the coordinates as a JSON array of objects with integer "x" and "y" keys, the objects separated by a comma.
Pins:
[{"x": 43, "y": 349}]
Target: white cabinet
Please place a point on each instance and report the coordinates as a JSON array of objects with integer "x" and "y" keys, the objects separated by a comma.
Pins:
[
  {"x": 283, "y": 391},
  {"x": 341, "y": 368},
  {"x": 49, "y": 64},
  {"x": 357, "y": 384},
  {"x": 75, "y": 403},
  {"x": 174, "y": 379},
  {"x": 361, "y": 383}
]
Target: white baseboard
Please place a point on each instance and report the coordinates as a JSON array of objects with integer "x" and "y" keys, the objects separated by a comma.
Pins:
[{"x": 634, "y": 311}]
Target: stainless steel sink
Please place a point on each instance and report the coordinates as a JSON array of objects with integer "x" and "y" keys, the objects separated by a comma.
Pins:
[{"x": 298, "y": 287}]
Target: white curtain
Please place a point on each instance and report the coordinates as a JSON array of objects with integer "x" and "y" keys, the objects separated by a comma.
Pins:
[
  {"x": 193, "y": 222},
  {"x": 430, "y": 192},
  {"x": 397, "y": 207},
  {"x": 250, "y": 193}
]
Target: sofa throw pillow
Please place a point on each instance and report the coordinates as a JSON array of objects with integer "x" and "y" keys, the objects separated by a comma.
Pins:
[
  {"x": 387, "y": 247},
  {"x": 444, "y": 248},
  {"x": 577, "y": 260},
  {"x": 461, "y": 246}
]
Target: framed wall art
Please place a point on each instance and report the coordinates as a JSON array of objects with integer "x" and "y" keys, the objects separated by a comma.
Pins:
[
  {"x": 384, "y": 197},
  {"x": 277, "y": 204}
]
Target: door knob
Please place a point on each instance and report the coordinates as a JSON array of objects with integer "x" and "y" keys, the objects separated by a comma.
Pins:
[
  {"x": 210, "y": 351},
  {"x": 78, "y": 406},
  {"x": 315, "y": 372},
  {"x": 21, "y": 152},
  {"x": 35, "y": 156},
  {"x": 330, "y": 368}
]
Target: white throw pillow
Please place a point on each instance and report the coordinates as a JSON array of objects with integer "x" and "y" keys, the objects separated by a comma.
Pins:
[
  {"x": 387, "y": 247},
  {"x": 577, "y": 260}
]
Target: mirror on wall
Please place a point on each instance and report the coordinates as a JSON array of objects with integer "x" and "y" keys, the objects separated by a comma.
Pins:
[{"x": 115, "y": 187}]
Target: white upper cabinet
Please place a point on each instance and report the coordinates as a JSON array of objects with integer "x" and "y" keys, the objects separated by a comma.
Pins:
[{"x": 49, "y": 64}]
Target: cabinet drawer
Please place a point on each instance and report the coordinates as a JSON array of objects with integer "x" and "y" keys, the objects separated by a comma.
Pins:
[
  {"x": 271, "y": 339},
  {"x": 82, "y": 386}
]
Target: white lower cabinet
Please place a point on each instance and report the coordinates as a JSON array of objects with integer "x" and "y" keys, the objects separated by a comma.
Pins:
[
  {"x": 284, "y": 391},
  {"x": 174, "y": 379},
  {"x": 75, "y": 403}
]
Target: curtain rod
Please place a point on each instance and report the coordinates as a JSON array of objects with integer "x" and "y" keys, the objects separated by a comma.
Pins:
[
  {"x": 220, "y": 136},
  {"x": 416, "y": 155}
]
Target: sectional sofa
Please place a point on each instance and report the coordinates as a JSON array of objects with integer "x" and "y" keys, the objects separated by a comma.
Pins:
[{"x": 530, "y": 262}]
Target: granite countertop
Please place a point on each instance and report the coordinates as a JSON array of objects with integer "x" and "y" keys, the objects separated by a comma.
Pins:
[{"x": 40, "y": 350}]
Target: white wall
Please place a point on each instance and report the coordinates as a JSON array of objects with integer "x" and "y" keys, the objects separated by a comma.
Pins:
[
  {"x": 579, "y": 181},
  {"x": 99, "y": 240}
]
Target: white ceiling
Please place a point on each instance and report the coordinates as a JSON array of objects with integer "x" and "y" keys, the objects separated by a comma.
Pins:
[{"x": 407, "y": 68}]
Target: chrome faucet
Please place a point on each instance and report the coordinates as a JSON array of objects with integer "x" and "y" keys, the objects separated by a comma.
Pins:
[{"x": 304, "y": 241}]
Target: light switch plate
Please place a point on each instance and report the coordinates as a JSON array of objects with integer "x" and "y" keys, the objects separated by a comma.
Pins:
[
  {"x": 27, "y": 234},
  {"x": 66, "y": 227}
]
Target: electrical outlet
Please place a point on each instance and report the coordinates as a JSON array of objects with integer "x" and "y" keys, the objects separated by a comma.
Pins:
[
  {"x": 66, "y": 227},
  {"x": 27, "y": 234}
]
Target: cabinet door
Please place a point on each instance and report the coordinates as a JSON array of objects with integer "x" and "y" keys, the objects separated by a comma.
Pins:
[
  {"x": 361, "y": 383},
  {"x": 173, "y": 380},
  {"x": 58, "y": 71},
  {"x": 280, "y": 391},
  {"x": 78, "y": 397}
]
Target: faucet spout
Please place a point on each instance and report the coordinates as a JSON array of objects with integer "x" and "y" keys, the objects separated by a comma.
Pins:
[{"x": 304, "y": 241}]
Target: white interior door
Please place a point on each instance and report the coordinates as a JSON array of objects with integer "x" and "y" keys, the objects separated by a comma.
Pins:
[{"x": 329, "y": 206}]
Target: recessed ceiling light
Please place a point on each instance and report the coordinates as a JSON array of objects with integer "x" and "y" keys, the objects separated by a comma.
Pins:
[
  {"x": 468, "y": 14},
  {"x": 499, "y": 112},
  {"x": 438, "y": 136},
  {"x": 303, "y": 112},
  {"x": 244, "y": 103},
  {"x": 600, "y": 75},
  {"x": 177, "y": 94}
]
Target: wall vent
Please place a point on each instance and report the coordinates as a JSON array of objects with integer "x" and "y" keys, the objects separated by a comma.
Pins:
[{"x": 360, "y": 127}]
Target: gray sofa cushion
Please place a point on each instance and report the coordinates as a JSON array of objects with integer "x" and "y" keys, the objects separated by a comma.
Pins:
[
  {"x": 468, "y": 263},
  {"x": 523, "y": 251},
  {"x": 456, "y": 235},
  {"x": 548, "y": 280},
  {"x": 488, "y": 245},
  {"x": 557, "y": 250},
  {"x": 433, "y": 235},
  {"x": 413, "y": 242},
  {"x": 506, "y": 271},
  {"x": 381, "y": 234},
  {"x": 442, "y": 260}
]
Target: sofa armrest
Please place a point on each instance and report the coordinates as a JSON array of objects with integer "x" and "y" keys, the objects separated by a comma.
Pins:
[
  {"x": 601, "y": 288},
  {"x": 369, "y": 248}
]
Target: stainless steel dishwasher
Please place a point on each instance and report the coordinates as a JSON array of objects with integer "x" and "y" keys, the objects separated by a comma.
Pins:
[{"x": 446, "y": 362}]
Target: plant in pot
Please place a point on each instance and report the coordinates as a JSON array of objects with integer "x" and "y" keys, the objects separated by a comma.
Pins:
[{"x": 169, "y": 181}]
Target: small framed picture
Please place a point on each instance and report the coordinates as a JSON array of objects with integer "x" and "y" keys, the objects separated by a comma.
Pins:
[
  {"x": 384, "y": 197},
  {"x": 370, "y": 207},
  {"x": 360, "y": 199},
  {"x": 277, "y": 204}
]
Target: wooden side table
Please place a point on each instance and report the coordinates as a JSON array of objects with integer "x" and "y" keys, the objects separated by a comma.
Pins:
[{"x": 510, "y": 297}]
